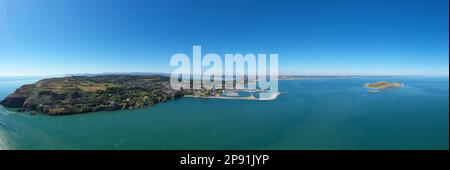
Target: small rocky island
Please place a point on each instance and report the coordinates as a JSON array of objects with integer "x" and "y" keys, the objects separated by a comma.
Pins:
[
  {"x": 82, "y": 94},
  {"x": 383, "y": 85}
]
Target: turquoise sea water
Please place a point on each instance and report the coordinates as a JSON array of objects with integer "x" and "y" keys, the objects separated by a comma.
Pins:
[{"x": 314, "y": 114}]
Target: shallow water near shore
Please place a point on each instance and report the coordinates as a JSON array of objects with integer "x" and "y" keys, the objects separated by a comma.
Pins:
[{"x": 314, "y": 114}]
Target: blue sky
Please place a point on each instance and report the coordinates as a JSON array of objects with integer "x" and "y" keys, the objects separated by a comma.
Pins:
[{"x": 392, "y": 37}]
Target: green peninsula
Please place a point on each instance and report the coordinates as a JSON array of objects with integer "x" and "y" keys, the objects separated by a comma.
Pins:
[{"x": 81, "y": 94}]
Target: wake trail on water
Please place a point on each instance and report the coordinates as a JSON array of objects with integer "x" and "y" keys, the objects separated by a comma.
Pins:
[{"x": 3, "y": 145}]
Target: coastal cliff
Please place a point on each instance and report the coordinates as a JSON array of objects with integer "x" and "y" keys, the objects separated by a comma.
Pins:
[{"x": 81, "y": 94}]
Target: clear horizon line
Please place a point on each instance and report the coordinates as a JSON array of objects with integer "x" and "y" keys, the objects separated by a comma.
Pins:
[{"x": 164, "y": 73}]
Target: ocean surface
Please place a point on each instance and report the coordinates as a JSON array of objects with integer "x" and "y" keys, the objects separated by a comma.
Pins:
[{"x": 313, "y": 114}]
